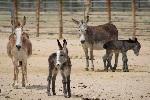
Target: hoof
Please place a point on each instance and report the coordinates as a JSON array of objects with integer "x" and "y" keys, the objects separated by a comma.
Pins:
[
  {"x": 127, "y": 70},
  {"x": 69, "y": 95},
  {"x": 106, "y": 70},
  {"x": 86, "y": 69},
  {"x": 48, "y": 93},
  {"x": 15, "y": 86},
  {"x": 54, "y": 93},
  {"x": 92, "y": 69},
  {"x": 114, "y": 68},
  {"x": 65, "y": 95},
  {"x": 23, "y": 85}
]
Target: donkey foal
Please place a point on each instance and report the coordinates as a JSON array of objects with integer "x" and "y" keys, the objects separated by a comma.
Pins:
[
  {"x": 120, "y": 46},
  {"x": 60, "y": 61}
]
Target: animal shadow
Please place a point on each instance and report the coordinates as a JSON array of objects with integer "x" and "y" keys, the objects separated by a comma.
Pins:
[{"x": 37, "y": 87}]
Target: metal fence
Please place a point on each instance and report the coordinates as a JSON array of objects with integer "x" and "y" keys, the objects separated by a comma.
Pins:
[{"x": 121, "y": 15}]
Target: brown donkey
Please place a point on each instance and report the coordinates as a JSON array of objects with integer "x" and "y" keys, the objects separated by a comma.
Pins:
[
  {"x": 60, "y": 61},
  {"x": 19, "y": 48}
]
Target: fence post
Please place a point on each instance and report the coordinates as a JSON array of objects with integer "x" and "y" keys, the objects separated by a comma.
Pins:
[
  {"x": 134, "y": 17},
  {"x": 15, "y": 4},
  {"x": 37, "y": 17},
  {"x": 108, "y": 4},
  {"x": 60, "y": 19}
]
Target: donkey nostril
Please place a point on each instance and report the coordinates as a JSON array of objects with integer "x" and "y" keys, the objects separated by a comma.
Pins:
[
  {"x": 82, "y": 41},
  {"x": 18, "y": 46},
  {"x": 57, "y": 64}
]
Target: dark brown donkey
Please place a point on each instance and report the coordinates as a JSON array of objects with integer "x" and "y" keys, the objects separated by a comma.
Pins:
[
  {"x": 120, "y": 46},
  {"x": 60, "y": 61},
  {"x": 19, "y": 48},
  {"x": 94, "y": 37}
]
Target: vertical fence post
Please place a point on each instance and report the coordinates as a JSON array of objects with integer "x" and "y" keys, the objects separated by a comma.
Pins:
[
  {"x": 15, "y": 4},
  {"x": 60, "y": 19},
  {"x": 134, "y": 17},
  {"x": 37, "y": 16},
  {"x": 108, "y": 4}
]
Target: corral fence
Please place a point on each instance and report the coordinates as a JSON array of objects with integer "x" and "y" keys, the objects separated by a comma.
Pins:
[{"x": 44, "y": 16}]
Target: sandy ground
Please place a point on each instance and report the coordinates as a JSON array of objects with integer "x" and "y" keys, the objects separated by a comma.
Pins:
[{"x": 133, "y": 85}]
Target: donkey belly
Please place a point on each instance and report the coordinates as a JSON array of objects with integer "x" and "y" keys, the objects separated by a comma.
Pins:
[{"x": 98, "y": 46}]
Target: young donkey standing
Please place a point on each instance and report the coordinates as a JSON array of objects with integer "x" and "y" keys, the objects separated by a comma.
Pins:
[
  {"x": 120, "y": 46},
  {"x": 60, "y": 61},
  {"x": 94, "y": 37},
  {"x": 19, "y": 48}
]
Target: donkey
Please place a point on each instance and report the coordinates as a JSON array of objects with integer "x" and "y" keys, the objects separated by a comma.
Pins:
[
  {"x": 120, "y": 46},
  {"x": 19, "y": 48},
  {"x": 60, "y": 61},
  {"x": 94, "y": 37}
]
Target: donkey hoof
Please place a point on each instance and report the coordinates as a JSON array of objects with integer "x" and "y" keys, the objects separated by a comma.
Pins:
[
  {"x": 124, "y": 70},
  {"x": 48, "y": 93},
  {"x": 127, "y": 70},
  {"x": 113, "y": 70},
  {"x": 54, "y": 93},
  {"x": 86, "y": 69},
  {"x": 92, "y": 69},
  {"x": 106, "y": 70},
  {"x": 69, "y": 95},
  {"x": 23, "y": 85},
  {"x": 65, "y": 95}
]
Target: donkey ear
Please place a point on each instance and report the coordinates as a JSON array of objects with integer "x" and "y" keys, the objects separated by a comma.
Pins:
[
  {"x": 87, "y": 19},
  {"x": 75, "y": 21},
  {"x": 130, "y": 39},
  {"x": 24, "y": 21},
  {"x": 135, "y": 39},
  {"x": 64, "y": 43},
  {"x": 12, "y": 21},
  {"x": 59, "y": 45}
]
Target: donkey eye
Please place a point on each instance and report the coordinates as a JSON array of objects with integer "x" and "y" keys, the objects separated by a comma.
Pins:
[{"x": 61, "y": 55}]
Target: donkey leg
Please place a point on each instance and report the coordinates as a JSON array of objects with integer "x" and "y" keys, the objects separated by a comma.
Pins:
[
  {"x": 104, "y": 60},
  {"x": 14, "y": 63},
  {"x": 87, "y": 58},
  {"x": 116, "y": 60},
  {"x": 49, "y": 82},
  {"x": 53, "y": 85},
  {"x": 17, "y": 72},
  {"x": 53, "y": 82},
  {"x": 23, "y": 76},
  {"x": 125, "y": 60},
  {"x": 91, "y": 58},
  {"x": 68, "y": 86},
  {"x": 64, "y": 83},
  {"x": 109, "y": 61},
  {"x": 24, "y": 73},
  {"x": 26, "y": 78}
]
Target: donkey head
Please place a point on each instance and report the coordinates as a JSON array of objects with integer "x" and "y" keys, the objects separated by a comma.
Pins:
[
  {"x": 136, "y": 46},
  {"x": 62, "y": 53},
  {"x": 82, "y": 26},
  {"x": 18, "y": 31}
]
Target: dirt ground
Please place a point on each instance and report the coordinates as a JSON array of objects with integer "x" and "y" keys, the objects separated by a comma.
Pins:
[{"x": 133, "y": 85}]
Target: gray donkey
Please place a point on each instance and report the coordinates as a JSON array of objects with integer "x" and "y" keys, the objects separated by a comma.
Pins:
[
  {"x": 60, "y": 61},
  {"x": 120, "y": 46},
  {"x": 94, "y": 37}
]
